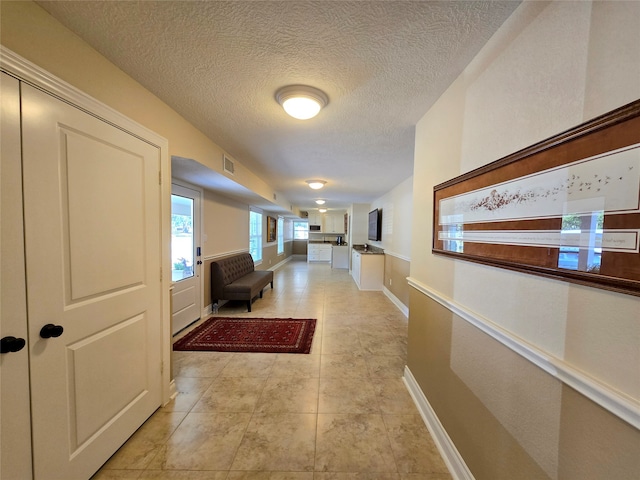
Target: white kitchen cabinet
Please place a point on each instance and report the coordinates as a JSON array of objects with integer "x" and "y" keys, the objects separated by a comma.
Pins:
[
  {"x": 316, "y": 219},
  {"x": 319, "y": 252},
  {"x": 334, "y": 223},
  {"x": 367, "y": 270}
]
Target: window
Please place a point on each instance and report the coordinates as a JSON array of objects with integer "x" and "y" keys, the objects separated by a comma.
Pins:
[
  {"x": 581, "y": 247},
  {"x": 300, "y": 230},
  {"x": 280, "y": 231},
  {"x": 255, "y": 236}
]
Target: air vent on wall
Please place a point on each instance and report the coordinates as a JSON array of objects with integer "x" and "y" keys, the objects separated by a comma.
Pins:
[{"x": 228, "y": 165}]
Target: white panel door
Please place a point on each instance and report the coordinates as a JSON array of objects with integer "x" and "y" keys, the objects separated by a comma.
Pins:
[
  {"x": 15, "y": 414},
  {"x": 185, "y": 256},
  {"x": 92, "y": 232}
]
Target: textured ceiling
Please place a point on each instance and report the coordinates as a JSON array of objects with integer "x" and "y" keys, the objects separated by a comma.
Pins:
[{"x": 219, "y": 64}]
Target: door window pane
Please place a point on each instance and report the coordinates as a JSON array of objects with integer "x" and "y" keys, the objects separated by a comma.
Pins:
[
  {"x": 182, "y": 245},
  {"x": 255, "y": 236}
]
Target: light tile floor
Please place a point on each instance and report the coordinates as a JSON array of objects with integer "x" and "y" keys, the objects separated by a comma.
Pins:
[{"x": 340, "y": 413}]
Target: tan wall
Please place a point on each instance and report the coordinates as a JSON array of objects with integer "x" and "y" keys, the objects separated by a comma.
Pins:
[
  {"x": 397, "y": 210},
  {"x": 396, "y": 271},
  {"x": 32, "y": 33},
  {"x": 300, "y": 247},
  {"x": 226, "y": 226},
  {"x": 547, "y": 69},
  {"x": 488, "y": 399},
  {"x": 270, "y": 257}
]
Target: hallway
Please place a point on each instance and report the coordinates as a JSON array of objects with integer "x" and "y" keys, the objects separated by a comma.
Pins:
[{"x": 341, "y": 412}]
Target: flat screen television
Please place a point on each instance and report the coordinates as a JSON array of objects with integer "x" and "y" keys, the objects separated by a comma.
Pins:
[{"x": 375, "y": 224}]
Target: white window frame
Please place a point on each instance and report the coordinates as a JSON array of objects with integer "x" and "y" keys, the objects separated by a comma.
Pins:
[{"x": 306, "y": 236}]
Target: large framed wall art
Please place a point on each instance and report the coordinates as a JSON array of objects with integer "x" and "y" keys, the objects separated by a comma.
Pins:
[
  {"x": 567, "y": 207},
  {"x": 271, "y": 229}
]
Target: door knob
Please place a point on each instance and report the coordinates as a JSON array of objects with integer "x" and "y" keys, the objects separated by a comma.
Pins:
[
  {"x": 11, "y": 344},
  {"x": 51, "y": 330}
]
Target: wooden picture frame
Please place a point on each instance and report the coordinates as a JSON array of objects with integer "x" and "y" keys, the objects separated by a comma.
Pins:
[
  {"x": 272, "y": 229},
  {"x": 567, "y": 207}
]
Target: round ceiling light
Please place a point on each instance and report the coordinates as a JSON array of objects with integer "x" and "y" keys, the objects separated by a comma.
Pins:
[
  {"x": 322, "y": 210},
  {"x": 320, "y": 202},
  {"x": 300, "y": 101},
  {"x": 316, "y": 184}
]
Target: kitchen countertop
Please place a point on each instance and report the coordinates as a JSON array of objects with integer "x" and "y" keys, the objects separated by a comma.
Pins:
[
  {"x": 335, "y": 244},
  {"x": 371, "y": 250}
]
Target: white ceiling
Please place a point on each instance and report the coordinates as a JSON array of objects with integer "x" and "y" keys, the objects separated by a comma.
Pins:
[{"x": 219, "y": 64}]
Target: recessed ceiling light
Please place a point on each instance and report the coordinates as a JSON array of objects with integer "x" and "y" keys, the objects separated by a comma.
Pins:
[
  {"x": 301, "y": 101},
  {"x": 316, "y": 184},
  {"x": 320, "y": 202}
]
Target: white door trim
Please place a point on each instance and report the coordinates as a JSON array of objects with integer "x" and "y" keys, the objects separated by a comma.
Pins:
[{"x": 19, "y": 67}]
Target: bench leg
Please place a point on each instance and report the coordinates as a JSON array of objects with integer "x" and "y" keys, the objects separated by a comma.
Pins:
[
  {"x": 272, "y": 285},
  {"x": 215, "y": 306},
  {"x": 249, "y": 306},
  {"x": 260, "y": 293}
]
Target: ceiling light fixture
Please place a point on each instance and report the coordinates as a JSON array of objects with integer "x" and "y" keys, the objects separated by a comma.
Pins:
[
  {"x": 316, "y": 184},
  {"x": 300, "y": 101},
  {"x": 322, "y": 210},
  {"x": 320, "y": 202}
]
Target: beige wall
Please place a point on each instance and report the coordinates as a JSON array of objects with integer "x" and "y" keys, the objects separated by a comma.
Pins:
[
  {"x": 551, "y": 66},
  {"x": 225, "y": 225},
  {"x": 32, "y": 33}
]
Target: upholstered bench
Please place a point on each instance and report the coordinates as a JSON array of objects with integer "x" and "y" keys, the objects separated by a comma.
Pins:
[{"x": 235, "y": 278}]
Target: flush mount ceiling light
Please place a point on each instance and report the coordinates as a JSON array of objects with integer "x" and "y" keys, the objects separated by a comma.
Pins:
[
  {"x": 322, "y": 210},
  {"x": 316, "y": 184},
  {"x": 320, "y": 202},
  {"x": 300, "y": 101}
]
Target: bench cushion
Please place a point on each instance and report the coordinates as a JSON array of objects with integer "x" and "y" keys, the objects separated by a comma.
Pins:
[{"x": 251, "y": 283}]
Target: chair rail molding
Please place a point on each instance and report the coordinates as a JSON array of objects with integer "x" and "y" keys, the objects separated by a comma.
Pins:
[{"x": 619, "y": 404}]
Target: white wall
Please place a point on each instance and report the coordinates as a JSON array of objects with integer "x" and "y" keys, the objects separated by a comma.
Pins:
[
  {"x": 359, "y": 223},
  {"x": 397, "y": 215},
  {"x": 551, "y": 66}
]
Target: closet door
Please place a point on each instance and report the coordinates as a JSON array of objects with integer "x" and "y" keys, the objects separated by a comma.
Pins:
[
  {"x": 92, "y": 232},
  {"x": 15, "y": 420}
]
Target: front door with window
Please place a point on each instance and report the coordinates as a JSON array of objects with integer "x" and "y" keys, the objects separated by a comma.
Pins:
[{"x": 185, "y": 258}]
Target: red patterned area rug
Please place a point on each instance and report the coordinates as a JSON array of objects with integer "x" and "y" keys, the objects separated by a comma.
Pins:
[{"x": 263, "y": 335}]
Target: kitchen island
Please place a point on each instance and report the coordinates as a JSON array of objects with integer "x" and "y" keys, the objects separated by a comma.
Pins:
[
  {"x": 324, "y": 251},
  {"x": 367, "y": 267},
  {"x": 340, "y": 256}
]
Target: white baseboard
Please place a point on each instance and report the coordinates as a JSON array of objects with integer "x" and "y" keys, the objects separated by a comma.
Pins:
[
  {"x": 280, "y": 264},
  {"x": 452, "y": 458},
  {"x": 396, "y": 301},
  {"x": 173, "y": 390}
]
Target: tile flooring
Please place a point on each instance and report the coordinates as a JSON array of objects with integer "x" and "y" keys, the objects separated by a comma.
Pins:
[{"x": 340, "y": 413}]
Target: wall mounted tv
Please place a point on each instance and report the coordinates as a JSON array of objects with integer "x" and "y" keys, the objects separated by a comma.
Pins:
[{"x": 375, "y": 224}]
